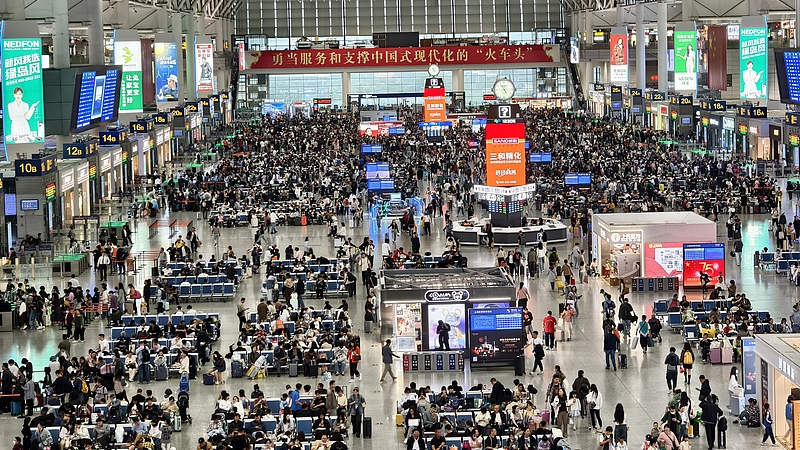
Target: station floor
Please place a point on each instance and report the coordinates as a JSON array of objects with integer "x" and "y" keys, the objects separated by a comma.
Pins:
[{"x": 641, "y": 388}]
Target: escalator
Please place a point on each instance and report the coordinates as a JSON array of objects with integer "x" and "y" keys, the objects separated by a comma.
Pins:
[{"x": 577, "y": 89}]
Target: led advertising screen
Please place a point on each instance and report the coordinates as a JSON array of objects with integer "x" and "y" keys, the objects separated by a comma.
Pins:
[
  {"x": 435, "y": 131},
  {"x": 685, "y": 60},
  {"x": 505, "y": 154},
  {"x": 23, "y": 118},
  {"x": 377, "y": 170},
  {"x": 128, "y": 54},
  {"x": 452, "y": 314},
  {"x": 542, "y": 157},
  {"x": 371, "y": 148},
  {"x": 96, "y": 97},
  {"x": 574, "y": 50},
  {"x": 166, "y": 71},
  {"x": 434, "y": 104},
  {"x": 703, "y": 258},
  {"x": 578, "y": 179},
  {"x": 29, "y": 205},
  {"x": 619, "y": 55},
  {"x": 377, "y": 128},
  {"x": 663, "y": 259},
  {"x": 787, "y": 67},
  {"x": 495, "y": 334},
  {"x": 753, "y": 43},
  {"x": 378, "y": 184},
  {"x": 204, "y": 72}
]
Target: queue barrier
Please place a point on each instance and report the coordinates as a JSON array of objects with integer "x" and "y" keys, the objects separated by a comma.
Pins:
[
  {"x": 433, "y": 362},
  {"x": 654, "y": 284}
]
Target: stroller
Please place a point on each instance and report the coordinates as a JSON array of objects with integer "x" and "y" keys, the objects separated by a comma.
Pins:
[
  {"x": 183, "y": 406},
  {"x": 655, "y": 328}
]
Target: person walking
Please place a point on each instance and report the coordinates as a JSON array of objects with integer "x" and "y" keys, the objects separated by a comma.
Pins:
[
  {"x": 643, "y": 329},
  {"x": 549, "y": 328},
  {"x": 610, "y": 344},
  {"x": 388, "y": 357},
  {"x": 523, "y": 296},
  {"x": 355, "y": 409},
  {"x": 567, "y": 315},
  {"x": 538, "y": 352},
  {"x": 710, "y": 415},
  {"x": 354, "y": 357},
  {"x": 594, "y": 401},
  {"x": 102, "y": 263},
  {"x": 672, "y": 361},
  {"x": 687, "y": 360},
  {"x": 768, "y": 433}
]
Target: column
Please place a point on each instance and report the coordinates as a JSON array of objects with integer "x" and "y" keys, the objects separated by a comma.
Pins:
[
  {"x": 662, "y": 46},
  {"x": 61, "y": 34},
  {"x": 641, "y": 57},
  {"x": 162, "y": 20},
  {"x": 13, "y": 7},
  {"x": 94, "y": 9},
  {"x": 458, "y": 81},
  {"x": 587, "y": 77},
  {"x": 222, "y": 71},
  {"x": 345, "y": 88},
  {"x": 177, "y": 31},
  {"x": 191, "y": 28},
  {"x": 123, "y": 13},
  {"x": 687, "y": 10}
]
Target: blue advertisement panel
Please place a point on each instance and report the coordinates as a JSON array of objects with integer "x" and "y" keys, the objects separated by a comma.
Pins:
[
  {"x": 166, "y": 71},
  {"x": 496, "y": 334},
  {"x": 749, "y": 366}
]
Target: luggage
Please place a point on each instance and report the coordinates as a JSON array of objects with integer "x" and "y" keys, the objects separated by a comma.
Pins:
[
  {"x": 519, "y": 366},
  {"x": 293, "y": 369},
  {"x": 716, "y": 356},
  {"x": 560, "y": 335},
  {"x": 155, "y": 272},
  {"x": 176, "y": 423},
  {"x": 367, "y": 326},
  {"x": 545, "y": 415},
  {"x": 208, "y": 379},
  {"x": 184, "y": 384},
  {"x": 237, "y": 369},
  {"x": 162, "y": 373},
  {"x": 690, "y": 432},
  {"x": 53, "y": 401},
  {"x": 623, "y": 361},
  {"x": 399, "y": 420},
  {"x": 367, "y": 428},
  {"x": 16, "y": 408}
]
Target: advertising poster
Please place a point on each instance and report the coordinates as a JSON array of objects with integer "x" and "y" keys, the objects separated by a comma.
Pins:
[
  {"x": 574, "y": 50},
  {"x": 663, "y": 259},
  {"x": 434, "y": 104},
  {"x": 505, "y": 154},
  {"x": 128, "y": 54},
  {"x": 619, "y": 55},
  {"x": 204, "y": 64},
  {"x": 166, "y": 76},
  {"x": 496, "y": 334},
  {"x": 455, "y": 316},
  {"x": 753, "y": 60},
  {"x": 717, "y": 58},
  {"x": 686, "y": 60},
  {"x": 749, "y": 366},
  {"x": 23, "y": 118},
  {"x": 703, "y": 258}
]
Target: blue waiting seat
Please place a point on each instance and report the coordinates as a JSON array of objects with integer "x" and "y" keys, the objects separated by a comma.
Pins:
[
  {"x": 304, "y": 426},
  {"x": 674, "y": 319},
  {"x": 660, "y": 307}
]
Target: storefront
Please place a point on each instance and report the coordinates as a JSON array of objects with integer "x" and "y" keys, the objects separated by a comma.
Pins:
[
  {"x": 106, "y": 183},
  {"x": 66, "y": 176},
  {"x": 226, "y": 109},
  {"x": 791, "y": 139},
  {"x": 759, "y": 139},
  {"x": 35, "y": 183},
  {"x": 774, "y": 376},
  {"x": 162, "y": 146},
  {"x": 652, "y": 101},
  {"x": 83, "y": 205},
  {"x": 682, "y": 115},
  {"x": 776, "y": 148},
  {"x": 117, "y": 172},
  {"x": 179, "y": 127},
  {"x": 641, "y": 245},
  {"x": 412, "y": 302},
  {"x": 142, "y": 155},
  {"x": 597, "y": 99},
  {"x": 752, "y": 138}
]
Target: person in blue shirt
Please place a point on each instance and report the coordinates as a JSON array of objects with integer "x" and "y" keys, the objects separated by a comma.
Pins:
[
  {"x": 140, "y": 427},
  {"x": 295, "y": 396},
  {"x": 789, "y": 416}
]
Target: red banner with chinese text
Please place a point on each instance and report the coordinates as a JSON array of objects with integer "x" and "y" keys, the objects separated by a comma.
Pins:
[{"x": 387, "y": 57}]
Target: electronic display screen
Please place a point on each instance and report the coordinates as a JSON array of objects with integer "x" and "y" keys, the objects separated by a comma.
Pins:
[
  {"x": 495, "y": 334},
  {"x": 505, "y": 207},
  {"x": 703, "y": 258},
  {"x": 435, "y": 131},
  {"x": 578, "y": 179},
  {"x": 96, "y": 97},
  {"x": 10, "y": 204},
  {"x": 378, "y": 184},
  {"x": 663, "y": 259},
  {"x": 377, "y": 170},
  {"x": 453, "y": 315},
  {"x": 371, "y": 148},
  {"x": 29, "y": 205},
  {"x": 397, "y": 130},
  {"x": 787, "y": 67},
  {"x": 686, "y": 120},
  {"x": 543, "y": 157}
]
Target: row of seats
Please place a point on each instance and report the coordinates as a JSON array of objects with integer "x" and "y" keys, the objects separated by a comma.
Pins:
[
  {"x": 270, "y": 354},
  {"x": 199, "y": 279},
  {"x": 674, "y": 318},
  {"x": 165, "y": 343},
  {"x": 172, "y": 357},
  {"x": 197, "y": 292},
  {"x": 311, "y": 286},
  {"x": 207, "y": 265},
  {"x": 328, "y": 324},
  {"x": 661, "y": 307},
  {"x": 163, "y": 319}
]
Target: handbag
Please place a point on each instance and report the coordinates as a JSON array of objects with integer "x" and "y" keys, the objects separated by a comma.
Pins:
[{"x": 357, "y": 357}]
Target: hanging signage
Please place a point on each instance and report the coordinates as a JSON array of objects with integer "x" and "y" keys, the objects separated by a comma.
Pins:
[
  {"x": 749, "y": 366},
  {"x": 50, "y": 191},
  {"x": 753, "y": 58},
  {"x": 166, "y": 71},
  {"x": 92, "y": 171},
  {"x": 79, "y": 150},
  {"x": 162, "y": 118},
  {"x": 83, "y": 174},
  {"x": 574, "y": 50},
  {"x": 204, "y": 63},
  {"x": 686, "y": 58},
  {"x": 23, "y": 115},
  {"x": 113, "y": 137},
  {"x": 447, "y": 295},
  {"x": 505, "y": 154},
  {"x": 67, "y": 181},
  {"x": 142, "y": 126},
  {"x": 619, "y": 55},
  {"x": 128, "y": 54},
  {"x": 105, "y": 163},
  {"x": 434, "y": 101},
  {"x": 35, "y": 167}
]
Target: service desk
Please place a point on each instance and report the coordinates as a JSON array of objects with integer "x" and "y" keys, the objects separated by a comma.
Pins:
[{"x": 555, "y": 230}]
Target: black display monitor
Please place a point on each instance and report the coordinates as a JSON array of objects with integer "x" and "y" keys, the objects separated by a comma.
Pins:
[
  {"x": 96, "y": 97},
  {"x": 787, "y": 68},
  {"x": 495, "y": 334}
]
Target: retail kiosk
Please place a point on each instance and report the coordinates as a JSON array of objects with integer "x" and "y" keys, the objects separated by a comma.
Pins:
[
  {"x": 650, "y": 244},
  {"x": 771, "y": 375}
]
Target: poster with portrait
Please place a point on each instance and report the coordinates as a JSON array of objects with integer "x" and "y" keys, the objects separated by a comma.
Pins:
[
  {"x": 23, "y": 118},
  {"x": 204, "y": 68},
  {"x": 619, "y": 55}
]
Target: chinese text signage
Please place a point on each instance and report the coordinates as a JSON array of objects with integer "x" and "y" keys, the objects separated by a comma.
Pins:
[
  {"x": 128, "y": 54},
  {"x": 23, "y": 118},
  {"x": 505, "y": 154},
  {"x": 686, "y": 60},
  {"x": 753, "y": 58},
  {"x": 166, "y": 71},
  {"x": 619, "y": 55},
  {"x": 204, "y": 63}
]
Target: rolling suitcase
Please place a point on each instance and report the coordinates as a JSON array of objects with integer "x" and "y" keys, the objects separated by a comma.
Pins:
[
  {"x": 623, "y": 361},
  {"x": 293, "y": 369},
  {"x": 237, "y": 370},
  {"x": 545, "y": 415},
  {"x": 367, "y": 431},
  {"x": 519, "y": 366},
  {"x": 716, "y": 356},
  {"x": 208, "y": 379},
  {"x": 367, "y": 326},
  {"x": 176, "y": 423},
  {"x": 162, "y": 373},
  {"x": 184, "y": 383},
  {"x": 16, "y": 408}
]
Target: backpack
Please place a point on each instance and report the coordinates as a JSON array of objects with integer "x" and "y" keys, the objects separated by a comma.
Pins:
[
  {"x": 146, "y": 355},
  {"x": 84, "y": 387},
  {"x": 508, "y": 396},
  {"x": 447, "y": 326},
  {"x": 558, "y": 271},
  {"x": 688, "y": 358}
]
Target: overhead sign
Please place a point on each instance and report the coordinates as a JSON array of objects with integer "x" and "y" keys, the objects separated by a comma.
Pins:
[
  {"x": 753, "y": 58},
  {"x": 113, "y": 137},
  {"x": 447, "y": 295},
  {"x": 23, "y": 115},
  {"x": 166, "y": 71},
  {"x": 204, "y": 64},
  {"x": 434, "y": 101},
  {"x": 505, "y": 154},
  {"x": 35, "y": 167},
  {"x": 619, "y": 55},
  {"x": 128, "y": 54},
  {"x": 686, "y": 58},
  {"x": 79, "y": 150}
]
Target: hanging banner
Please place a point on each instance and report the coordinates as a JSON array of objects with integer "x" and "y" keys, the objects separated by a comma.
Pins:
[
  {"x": 128, "y": 54},
  {"x": 505, "y": 154},
  {"x": 685, "y": 57},
  {"x": 203, "y": 72},
  {"x": 23, "y": 118},
  {"x": 718, "y": 58},
  {"x": 574, "y": 50},
  {"x": 166, "y": 76},
  {"x": 619, "y": 55},
  {"x": 753, "y": 58}
]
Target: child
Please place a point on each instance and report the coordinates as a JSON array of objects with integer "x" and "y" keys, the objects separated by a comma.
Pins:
[
  {"x": 685, "y": 444},
  {"x": 767, "y": 426},
  {"x": 656, "y": 430},
  {"x": 574, "y": 405},
  {"x": 621, "y": 444},
  {"x": 722, "y": 431}
]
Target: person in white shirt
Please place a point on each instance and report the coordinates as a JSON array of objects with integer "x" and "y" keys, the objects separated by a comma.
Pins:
[{"x": 102, "y": 344}]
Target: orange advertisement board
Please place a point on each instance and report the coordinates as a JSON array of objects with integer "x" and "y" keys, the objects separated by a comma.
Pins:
[
  {"x": 434, "y": 105},
  {"x": 505, "y": 154}
]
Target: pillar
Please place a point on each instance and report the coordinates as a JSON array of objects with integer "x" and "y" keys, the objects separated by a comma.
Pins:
[
  {"x": 687, "y": 10},
  {"x": 345, "y": 88},
  {"x": 162, "y": 20},
  {"x": 61, "y": 34},
  {"x": 94, "y": 11},
  {"x": 191, "y": 29},
  {"x": 177, "y": 32},
  {"x": 15, "y": 8},
  {"x": 641, "y": 56},
  {"x": 587, "y": 76},
  {"x": 123, "y": 12},
  {"x": 458, "y": 81},
  {"x": 222, "y": 70},
  {"x": 662, "y": 46}
]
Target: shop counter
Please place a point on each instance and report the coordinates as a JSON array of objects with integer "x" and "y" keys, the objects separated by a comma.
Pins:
[{"x": 472, "y": 235}]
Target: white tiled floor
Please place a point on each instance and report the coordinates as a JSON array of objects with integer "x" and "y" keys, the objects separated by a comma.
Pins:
[{"x": 641, "y": 388}]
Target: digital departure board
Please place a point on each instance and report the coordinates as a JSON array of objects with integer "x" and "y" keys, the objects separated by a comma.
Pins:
[
  {"x": 787, "y": 65},
  {"x": 505, "y": 207},
  {"x": 96, "y": 97},
  {"x": 541, "y": 157}
]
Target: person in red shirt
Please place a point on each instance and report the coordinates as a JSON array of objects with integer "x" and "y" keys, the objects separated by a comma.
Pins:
[{"x": 549, "y": 326}]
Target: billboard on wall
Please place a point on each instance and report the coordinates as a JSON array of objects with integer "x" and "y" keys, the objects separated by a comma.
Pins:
[
  {"x": 505, "y": 154},
  {"x": 23, "y": 118},
  {"x": 753, "y": 58},
  {"x": 574, "y": 50},
  {"x": 619, "y": 55},
  {"x": 686, "y": 58},
  {"x": 663, "y": 259},
  {"x": 128, "y": 54},
  {"x": 204, "y": 72},
  {"x": 166, "y": 76},
  {"x": 700, "y": 259}
]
